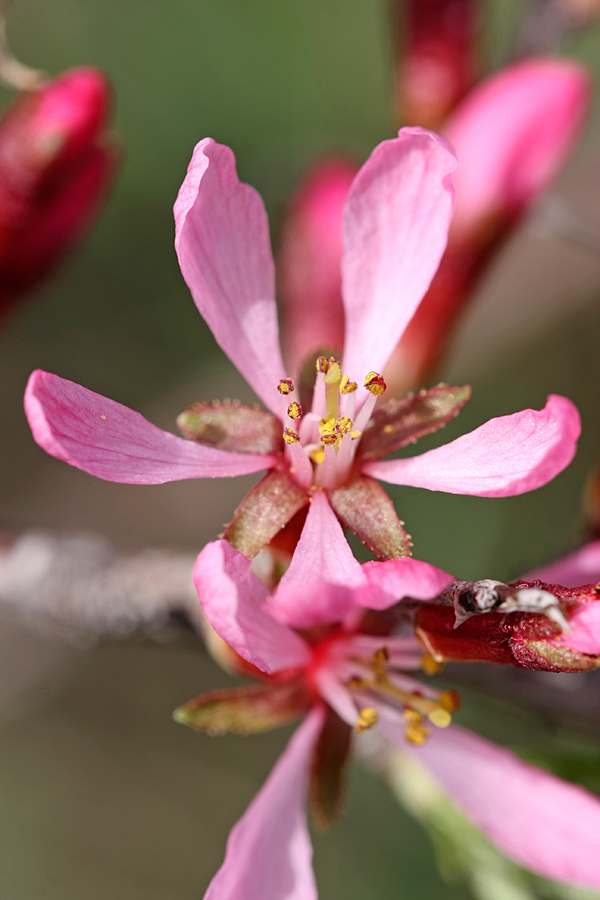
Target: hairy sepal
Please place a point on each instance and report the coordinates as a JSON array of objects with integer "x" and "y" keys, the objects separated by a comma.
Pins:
[
  {"x": 264, "y": 511},
  {"x": 364, "y": 507},
  {"x": 327, "y": 781},
  {"x": 230, "y": 425},
  {"x": 400, "y": 422},
  {"x": 246, "y": 710}
]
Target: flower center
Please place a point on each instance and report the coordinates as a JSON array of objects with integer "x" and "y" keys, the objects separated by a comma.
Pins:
[
  {"x": 321, "y": 444},
  {"x": 364, "y": 679}
]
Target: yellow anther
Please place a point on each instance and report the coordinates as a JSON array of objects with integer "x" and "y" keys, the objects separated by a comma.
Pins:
[
  {"x": 367, "y": 717},
  {"x": 356, "y": 684},
  {"x": 290, "y": 436},
  {"x": 327, "y": 431},
  {"x": 449, "y": 700},
  {"x": 317, "y": 456},
  {"x": 379, "y": 661},
  {"x": 294, "y": 410},
  {"x": 326, "y": 424},
  {"x": 347, "y": 386},
  {"x": 412, "y": 715},
  {"x": 344, "y": 425},
  {"x": 375, "y": 384},
  {"x": 440, "y": 717},
  {"x": 416, "y": 732},
  {"x": 355, "y": 434},
  {"x": 329, "y": 437},
  {"x": 430, "y": 665},
  {"x": 322, "y": 363},
  {"x": 285, "y": 386}
]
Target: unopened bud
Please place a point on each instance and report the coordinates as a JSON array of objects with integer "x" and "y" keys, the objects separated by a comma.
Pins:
[{"x": 56, "y": 164}]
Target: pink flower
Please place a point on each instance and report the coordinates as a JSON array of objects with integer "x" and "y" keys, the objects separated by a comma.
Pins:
[
  {"x": 56, "y": 164},
  {"x": 350, "y": 677},
  {"x": 395, "y": 223}
]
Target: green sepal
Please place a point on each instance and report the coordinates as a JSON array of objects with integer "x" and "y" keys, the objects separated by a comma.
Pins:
[
  {"x": 264, "y": 511},
  {"x": 366, "y": 509},
  {"x": 548, "y": 657},
  {"x": 247, "y": 710},
  {"x": 230, "y": 425},
  {"x": 400, "y": 422},
  {"x": 327, "y": 782}
]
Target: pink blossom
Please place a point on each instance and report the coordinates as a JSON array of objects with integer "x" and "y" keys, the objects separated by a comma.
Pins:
[
  {"x": 396, "y": 219},
  {"x": 352, "y": 677}
]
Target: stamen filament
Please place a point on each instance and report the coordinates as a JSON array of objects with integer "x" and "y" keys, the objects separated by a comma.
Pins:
[{"x": 300, "y": 464}]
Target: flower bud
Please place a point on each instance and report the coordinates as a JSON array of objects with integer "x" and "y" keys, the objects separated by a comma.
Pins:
[
  {"x": 511, "y": 135},
  {"x": 437, "y": 59},
  {"x": 310, "y": 251},
  {"x": 563, "y": 636},
  {"x": 56, "y": 164}
]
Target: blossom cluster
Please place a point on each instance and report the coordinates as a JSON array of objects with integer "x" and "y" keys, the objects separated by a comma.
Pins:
[{"x": 322, "y": 635}]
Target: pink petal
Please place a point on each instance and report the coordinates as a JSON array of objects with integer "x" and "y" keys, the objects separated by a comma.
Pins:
[
  {"x": 584, "y": 636},
  {"x": 111, "y": 441},
  {"x": 269, "y": 853},
  {"x": 545, "y": 824},
  {"x": 319, "y": 585},
  {"x": 222, "y": 241},
  {"x": 309, "y": 259},
  {"x": 511, "y": 135},
  {"x": 506, "y": 456},
  {"x": 395, "y": 228},
  {"x": 580, "y": 567},
  {"x": 232, "y": 598},
  {"x": 394, "y": 579}
]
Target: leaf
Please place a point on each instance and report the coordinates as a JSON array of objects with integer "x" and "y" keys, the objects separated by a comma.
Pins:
[
  {"x": 246, "y": 710},
  {"x": 264, "y": 511},
  {"x": 234, "y": 426},
  {"x": 327, "y": 783},
  {"x": 366, "y": 509},
  {"x": 400, "y": 422}
]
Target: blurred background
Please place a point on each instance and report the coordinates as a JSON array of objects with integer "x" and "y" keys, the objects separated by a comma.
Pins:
[{"x": 103, "y": 795}]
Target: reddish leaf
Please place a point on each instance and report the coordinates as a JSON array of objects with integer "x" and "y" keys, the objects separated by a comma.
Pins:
[
  {"x": 264, "y": 511},
  {"x": 366, "y": 509},
  {"x": 246, "y": 710},
  {"x": 326, "y": 792},
  {"x": 400, "y": 422},
  {"x": 234, "y": 426}
]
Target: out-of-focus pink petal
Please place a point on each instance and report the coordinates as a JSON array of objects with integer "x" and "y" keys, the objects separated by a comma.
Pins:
[
  {"x": 222, "y": 241},
  {"x": 232, "y": 598},
  {"x": 584, "y": 636},
  {"x": 580, "y": 567},
  {"x": 506, "y": 456},
  {"x": 393, "y": 579},
  {"x": 269, "y": 853},
  {"x": 511, "y": 135},
  {"x": 395, "y": 229},
  {"x": 309, "y": 261},
  {"x": 319, "y": 585},
  {"x": 545, "y": 824},
  {"x": 113, "y": 442}
]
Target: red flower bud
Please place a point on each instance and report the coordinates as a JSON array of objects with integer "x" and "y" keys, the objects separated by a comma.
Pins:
[
  {"x": 510, "y": 632},
  {"x": 56, "y": 164},
  {"x": 436, "y": 45}
]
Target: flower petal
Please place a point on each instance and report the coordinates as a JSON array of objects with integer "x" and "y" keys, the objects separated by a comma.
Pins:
[
  {"x": 269, "y": 854},
  {"x": 113, "y": 442},
  {"x": 319, "y": 585},
  {"x": 580, "y": 567},
  {"x": 545, "y": 824},
  {"x": 223, "y": 246},
  {"x": 395, "y": 228},
  {"x": 395, "y": 579},
  {"x": 232, "y": 598},
  {"x": 506, "y": 456}
]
